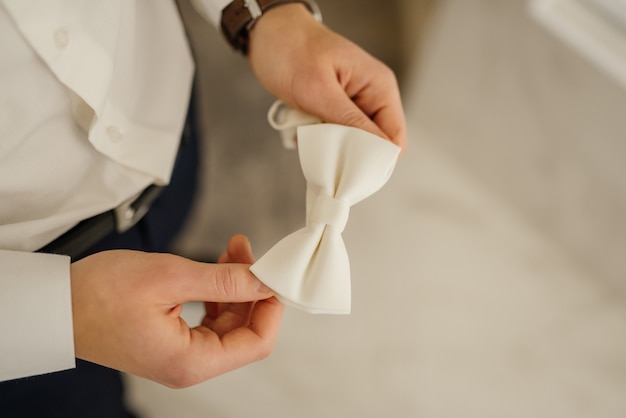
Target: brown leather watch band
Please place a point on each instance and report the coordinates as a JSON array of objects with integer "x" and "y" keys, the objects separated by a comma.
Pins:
[{"x": 237, "y": 19}]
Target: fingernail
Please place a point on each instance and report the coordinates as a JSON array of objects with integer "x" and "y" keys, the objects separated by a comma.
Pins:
[{"x": 263, "y": 289}]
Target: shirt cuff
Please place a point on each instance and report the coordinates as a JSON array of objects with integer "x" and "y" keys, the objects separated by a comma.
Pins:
[
  {"x": 36, "y": 326},
  {"x": 211, "y": 10}
]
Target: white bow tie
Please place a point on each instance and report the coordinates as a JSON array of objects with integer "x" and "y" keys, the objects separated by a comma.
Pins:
[{"x": 342, "y": 165}]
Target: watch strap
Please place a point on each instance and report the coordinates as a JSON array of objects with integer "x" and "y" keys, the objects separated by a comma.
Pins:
[{"x": 240, "y": 15}]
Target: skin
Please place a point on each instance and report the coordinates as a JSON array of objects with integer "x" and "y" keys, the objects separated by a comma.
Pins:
[
  {"x": 127, "y": 304},
  {"x": 127, "y": 307},
  {"x": 309, "y": 67}
]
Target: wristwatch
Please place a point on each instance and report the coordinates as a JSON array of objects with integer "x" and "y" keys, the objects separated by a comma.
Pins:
[{"x": 241, "y": 15}]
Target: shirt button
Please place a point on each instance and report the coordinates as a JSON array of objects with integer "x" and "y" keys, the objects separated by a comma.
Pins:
[
  {"x": 61, "y": 38},
  {"x": 114, "y": 133}
]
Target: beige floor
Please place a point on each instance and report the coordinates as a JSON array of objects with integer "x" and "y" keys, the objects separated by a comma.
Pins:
[{"x": 462, "y": 307}]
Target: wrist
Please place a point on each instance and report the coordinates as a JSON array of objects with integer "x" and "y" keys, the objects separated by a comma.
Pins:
[{"x": 279, "y": 17}]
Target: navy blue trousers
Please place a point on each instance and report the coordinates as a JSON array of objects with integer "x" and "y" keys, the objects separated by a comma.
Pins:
[{"x": 90, "y": 390}]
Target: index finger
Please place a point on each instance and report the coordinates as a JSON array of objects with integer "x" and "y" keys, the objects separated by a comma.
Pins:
[
  {"x": 241, "y": 346},
  {"x": 390, "y": 119},
  {"x": 374, "y": 106},
  {"x": 382, "y": 103}
]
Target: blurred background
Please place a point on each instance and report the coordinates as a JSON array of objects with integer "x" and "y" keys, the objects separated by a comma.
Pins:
[{"x": 489, "y": 275}]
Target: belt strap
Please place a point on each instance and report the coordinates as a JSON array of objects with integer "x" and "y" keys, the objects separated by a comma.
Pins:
[{"x": 89, "y": 232}]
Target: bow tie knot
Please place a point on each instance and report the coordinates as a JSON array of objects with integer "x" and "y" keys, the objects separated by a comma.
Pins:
[{"x": 330, "y": 211}]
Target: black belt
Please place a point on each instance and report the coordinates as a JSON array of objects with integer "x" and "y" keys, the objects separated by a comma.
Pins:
[{"x": 89, "y": 232}]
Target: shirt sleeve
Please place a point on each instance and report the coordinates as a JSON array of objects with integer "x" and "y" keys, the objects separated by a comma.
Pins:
[
  {"x": 211, "y": 10},
  {"x": 36, "y": 328}
]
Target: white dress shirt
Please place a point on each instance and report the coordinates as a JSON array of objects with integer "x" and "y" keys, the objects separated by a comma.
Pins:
[{"x": 94, "y": 97}]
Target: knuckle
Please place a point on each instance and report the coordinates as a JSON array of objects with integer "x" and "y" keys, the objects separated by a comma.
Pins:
[
  {"x": 165, "y": 264},
  {"x": 227, "y": 283},
  {"x": 161, "y": 268},
  {"x": 265, "y": 350},
  {"x": 388, "y": 74},
  {"x": 353, "y": 117},
  {"x": 180, "y": 378}
]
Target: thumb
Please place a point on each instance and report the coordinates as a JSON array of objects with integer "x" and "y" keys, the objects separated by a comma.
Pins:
[{"x": 228, "y": 282}]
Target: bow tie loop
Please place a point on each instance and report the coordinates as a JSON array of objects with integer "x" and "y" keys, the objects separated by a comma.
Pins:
[{"x": 330, "y": 211}]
